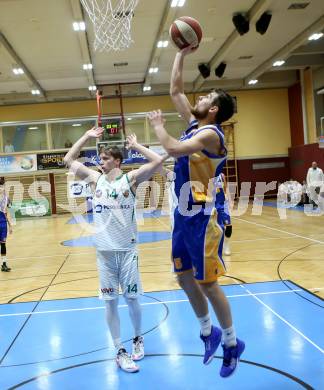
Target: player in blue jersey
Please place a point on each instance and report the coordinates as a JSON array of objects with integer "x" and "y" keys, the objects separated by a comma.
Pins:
[
  {"x": 224, "y": 211},
  {"x": 5, "y": 225},
  {"x": 198, "y": 232}
]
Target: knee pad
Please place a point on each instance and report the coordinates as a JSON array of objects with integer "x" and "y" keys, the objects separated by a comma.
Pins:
[
  {"x": 228, "y": 231},
  {"x": 3, "y": 248}
]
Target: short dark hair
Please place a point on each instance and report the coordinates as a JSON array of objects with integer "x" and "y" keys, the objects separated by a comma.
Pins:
[
  {"x": 113, "y": 151},
  {"x": 2, "y": 181},
  {"x": 226, "y": 105}
]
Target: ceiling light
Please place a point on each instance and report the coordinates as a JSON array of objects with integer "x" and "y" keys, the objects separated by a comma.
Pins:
[
  {"x": 147, "y": 88},
  {"x": 129, "y": 119},
  {"x": 76, "y": 125},
  {"x": 315, "y": 37},
  {"x": 78, "y": 26},
  {"x": 18, "y": 71},
  {"x": 252, "y": 82},
  {"x": 163, "y": 44},
  {"x": 177, "y": 3},
  {"x": 278, "y": 63},
  {"x": 33, "y": 128},
  {"x": 92, "y": 88},
  {"x": 87, "y": 66},
  {"x": 35, "y": 92},
  {"x": 153, "y": 70}
]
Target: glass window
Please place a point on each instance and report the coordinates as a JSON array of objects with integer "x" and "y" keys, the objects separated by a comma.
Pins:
[
  {"x": 174, "y": 125},
  {"x": 66, "y": 133},
  {"x": 136, "y": 125},
  {"x": 24, "y": 138}
]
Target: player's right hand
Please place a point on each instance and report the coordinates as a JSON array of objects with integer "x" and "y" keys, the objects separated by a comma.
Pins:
[{"x": 95, "y": 132}]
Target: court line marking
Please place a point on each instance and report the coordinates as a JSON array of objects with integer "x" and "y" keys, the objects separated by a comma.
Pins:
[
  {"x": 281, "y": 231},
  {"x": 283, "y": 319},
  {"x": 153, "y": 303}
]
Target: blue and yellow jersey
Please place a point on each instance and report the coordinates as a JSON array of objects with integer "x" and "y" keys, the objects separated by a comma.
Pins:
[{"x": 200, "y": 169}]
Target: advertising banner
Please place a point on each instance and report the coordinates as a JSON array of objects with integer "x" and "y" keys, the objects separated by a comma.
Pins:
[
  {"x": 50, "y": 161},
  {"x": 89, "y": 157},
  {"x": 30, "y": 208},
  {"x": 79, "y": 189},
  {"x": 18, "y": 163}
]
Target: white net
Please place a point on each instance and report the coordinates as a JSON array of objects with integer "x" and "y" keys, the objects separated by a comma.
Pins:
[{"x": 112, "y": 22}]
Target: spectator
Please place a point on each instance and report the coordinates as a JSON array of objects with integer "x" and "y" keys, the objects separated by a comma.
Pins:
[
  {"x": 314, "y": 179},
  {"x": 9, "y": 148},
  {"x": 304, "y": 198},
  {"x": 68, "y": 143}
]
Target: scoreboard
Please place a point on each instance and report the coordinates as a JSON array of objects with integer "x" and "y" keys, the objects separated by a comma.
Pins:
[{"x": 112, "y": 129}]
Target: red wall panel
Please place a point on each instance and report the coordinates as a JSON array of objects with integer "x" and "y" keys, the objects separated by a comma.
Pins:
[
  {"x": 296, "y": 115},
  {"x": 246, "y": 173},
  {"x": 301, "y": 158}
]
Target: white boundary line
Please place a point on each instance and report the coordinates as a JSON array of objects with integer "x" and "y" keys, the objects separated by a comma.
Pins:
[
  {"x": 281, "y": 231},
  {"x": 283, "y": 319},
  {"x": 152, "y": 303}
]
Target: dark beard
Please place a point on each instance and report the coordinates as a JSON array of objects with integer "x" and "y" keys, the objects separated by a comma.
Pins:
[{"x": 199, "y": 114}]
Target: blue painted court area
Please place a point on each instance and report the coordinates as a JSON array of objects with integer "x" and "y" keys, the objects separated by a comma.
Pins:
[{"x": 64, "y": 344}]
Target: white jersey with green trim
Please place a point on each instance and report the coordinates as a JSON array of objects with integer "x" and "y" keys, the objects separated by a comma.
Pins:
[{"x": 114, "y": 214}]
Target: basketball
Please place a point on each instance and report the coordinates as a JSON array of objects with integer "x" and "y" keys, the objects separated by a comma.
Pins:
[{"x": 185, "y": 31}]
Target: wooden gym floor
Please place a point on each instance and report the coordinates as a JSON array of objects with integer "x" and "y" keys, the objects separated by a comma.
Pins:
[{"x": 264, "y": 248}]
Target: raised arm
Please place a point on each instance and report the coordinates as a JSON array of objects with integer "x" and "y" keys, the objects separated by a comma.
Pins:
[
  {"x": 146, "y": 171},
  {"x": 146, "y": 152},
  {"x": 70, "y": 159},
  {"x": 206, "y": 140},
  {"x": 177, "y": 94}
]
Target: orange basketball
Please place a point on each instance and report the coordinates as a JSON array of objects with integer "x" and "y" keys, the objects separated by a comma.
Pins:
[{"x": 185, "y": 31}]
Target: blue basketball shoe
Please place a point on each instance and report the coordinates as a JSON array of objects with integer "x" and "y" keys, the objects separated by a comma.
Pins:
[
  {"x": 211, "y": 343},
  {"x": 231, "y": 358}
]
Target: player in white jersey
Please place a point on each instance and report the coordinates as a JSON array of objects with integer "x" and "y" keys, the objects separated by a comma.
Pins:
[{"x": 116, "y": 235}]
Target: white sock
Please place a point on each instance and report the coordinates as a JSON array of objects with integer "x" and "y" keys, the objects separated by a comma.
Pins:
[
  {"x": 113, "y": 322},
  {"x": 135, "y": 313},
  {"x": 4, "y": 259},
  {"x": 229, "y": 336},
  {"x": 205, "y": 325}
]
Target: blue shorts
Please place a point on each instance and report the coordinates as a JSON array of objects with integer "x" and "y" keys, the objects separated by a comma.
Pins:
[
  {"x": 197, "y": 244},
  {"x": 225, "y": 218},
  {"x": 3, "y": 231}
]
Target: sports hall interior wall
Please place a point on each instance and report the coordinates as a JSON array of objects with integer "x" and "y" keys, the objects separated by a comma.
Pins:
[{"x": 262, "y": 128}]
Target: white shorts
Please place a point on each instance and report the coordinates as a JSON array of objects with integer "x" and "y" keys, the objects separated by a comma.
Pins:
[{"x": 118, "y": 268}]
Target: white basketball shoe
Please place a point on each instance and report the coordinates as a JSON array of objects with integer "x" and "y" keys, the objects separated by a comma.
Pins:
[
  {"x": 138, "y": 348},
  {"x": 125, "y": 362},
  {"x": 226, "y": 247}
]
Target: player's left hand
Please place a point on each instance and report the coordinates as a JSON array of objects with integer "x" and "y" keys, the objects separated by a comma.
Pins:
[
  {"x": 131, "y": 141},
  {"x": 156, "y": 119}
]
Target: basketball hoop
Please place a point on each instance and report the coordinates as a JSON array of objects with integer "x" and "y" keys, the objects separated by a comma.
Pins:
[{"x": 112, "y": 22}]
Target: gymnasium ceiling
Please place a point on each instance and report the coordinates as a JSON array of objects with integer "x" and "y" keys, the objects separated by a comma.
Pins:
[{"x": 37, "y": 35}]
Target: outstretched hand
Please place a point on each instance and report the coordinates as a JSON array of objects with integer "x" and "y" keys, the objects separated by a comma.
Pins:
[
  {"x": 131, "y": 141},
  {"x": 189, "y": 49},
  {"x": 156, "y": 118},
  {"x": 95, "y": 132}
]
